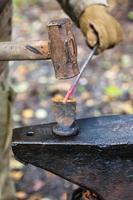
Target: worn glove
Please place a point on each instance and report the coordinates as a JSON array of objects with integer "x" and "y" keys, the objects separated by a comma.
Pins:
[{"x": 99, "y": 26}]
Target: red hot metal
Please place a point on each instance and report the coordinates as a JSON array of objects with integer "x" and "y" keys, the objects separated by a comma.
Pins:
[
  {"x": 65, "y": 114},
  {"x": 75, "y": 83}
]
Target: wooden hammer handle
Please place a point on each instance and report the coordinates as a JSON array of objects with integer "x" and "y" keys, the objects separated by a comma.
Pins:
[{"x": 24, "y": 50}]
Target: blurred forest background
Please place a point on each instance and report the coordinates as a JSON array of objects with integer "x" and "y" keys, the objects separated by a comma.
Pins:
[{"x": 106, "y": 87}]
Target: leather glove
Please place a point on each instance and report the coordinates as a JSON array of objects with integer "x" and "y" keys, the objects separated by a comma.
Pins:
[{"x": 99, "y": 26}]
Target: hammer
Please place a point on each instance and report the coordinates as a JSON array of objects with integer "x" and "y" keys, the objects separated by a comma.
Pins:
[{"x": 61, "y": 49}]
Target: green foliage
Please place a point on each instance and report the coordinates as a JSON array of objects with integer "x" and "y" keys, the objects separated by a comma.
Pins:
[
  {"x": 80, "y": 88},
  {"x": 113, "y": 91},
  {"x": 125, "y": 61},
  {"x": 105, "y": 64},
  {"x": 20, "y": 3},
  {"x": 130, "y": 15},
  {"x": 17, "y": 3}
]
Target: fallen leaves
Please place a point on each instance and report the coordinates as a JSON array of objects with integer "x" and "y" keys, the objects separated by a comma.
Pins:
[
  {"x": 16, "y": 175},
  {"x": 21, "y": 195},
  {"x": 21, "y": 87},
  {"x": 15, "y": 165},
  {"x": 41, "y": 113},
  {"x": 35, "y": 197},
  {"x": 27, "y": 113},
  {"x": 113, "y": 91},
  {"x": 127, "y": 107},
  {"x": 38, "y": 184}
]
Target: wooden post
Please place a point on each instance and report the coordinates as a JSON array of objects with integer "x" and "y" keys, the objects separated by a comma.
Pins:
[{"x": 6, "y": 187}]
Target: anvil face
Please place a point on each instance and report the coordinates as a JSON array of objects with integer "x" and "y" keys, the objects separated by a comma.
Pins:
[{"x": 99, "y": 158}]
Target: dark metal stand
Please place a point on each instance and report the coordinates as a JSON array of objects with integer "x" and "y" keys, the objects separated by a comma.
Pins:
[{"x": 99, "y": 158}]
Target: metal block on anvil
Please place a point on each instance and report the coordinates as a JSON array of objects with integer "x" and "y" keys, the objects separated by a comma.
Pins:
[{"x": 99, "y": 158}]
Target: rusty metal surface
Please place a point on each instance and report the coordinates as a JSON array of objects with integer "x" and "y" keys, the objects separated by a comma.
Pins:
[
  {"x": 99, "y": 158},
  {"x": 63, "y": 48},
  {"x": 65, "y": 115}
]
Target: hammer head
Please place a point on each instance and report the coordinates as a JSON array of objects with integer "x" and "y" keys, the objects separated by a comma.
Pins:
[{"x": 63, "y": 48}]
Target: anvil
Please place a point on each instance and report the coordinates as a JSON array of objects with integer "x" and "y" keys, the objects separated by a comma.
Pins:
[{"x": 99, "y": 158}]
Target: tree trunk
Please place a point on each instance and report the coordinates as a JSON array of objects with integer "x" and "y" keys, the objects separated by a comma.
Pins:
[{"x": 6, "y": 186}]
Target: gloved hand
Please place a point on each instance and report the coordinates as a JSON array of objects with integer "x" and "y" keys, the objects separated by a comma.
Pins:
[{"x": 98, "y": 25}]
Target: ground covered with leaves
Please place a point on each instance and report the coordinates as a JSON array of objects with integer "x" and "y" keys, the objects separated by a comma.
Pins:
[{"x": 106, "y": 87}]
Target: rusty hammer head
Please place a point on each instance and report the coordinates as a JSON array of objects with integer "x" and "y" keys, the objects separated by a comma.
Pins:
[{"x": 63, "y": 48}]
